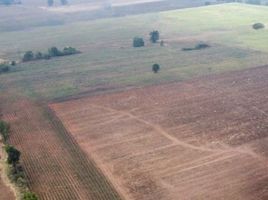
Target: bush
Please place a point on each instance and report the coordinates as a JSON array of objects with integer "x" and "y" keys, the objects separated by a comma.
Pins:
[
  {"x": 29, "y": 196},
  {"x": 138, "y": 42},
  {"x": 13, "y": 155},
  {"x": 69, "y": 51},
  {"x": 197, "y": 47},
  {"x": 154, "y": 36},
  {"x": 155, "y": 68},
  {"x": 257, "y": 26}
]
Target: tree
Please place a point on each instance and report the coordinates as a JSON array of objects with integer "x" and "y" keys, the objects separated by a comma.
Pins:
[
  {"x": 138, "y": 42},
  {"x": 50, "y": 3},
  {"x": 54, "y": 52},
  {"x": 13, "y": 155},
  {"x": 28, "y": 56},
  {"x": 154, "y": 36},
  {"x": 155, "y": 68},
  {"x": 64, "y": 2},
  {"x": 29, "y": 196}
]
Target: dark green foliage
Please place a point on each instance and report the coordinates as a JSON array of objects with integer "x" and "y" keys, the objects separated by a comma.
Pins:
[
  {"x": 29, "y": 196},
  {"x": 54, "y": 52},
  {"x": 50, "y": 3},
  {"x": 13, "y": 155},
  {"x": 64, "y": 2},
  {"x": 258, "y": 26},
  {"x": 197, "y": 47},
  {"x": 138, "y": 42},
  {"x": 28, "y": 56},
  {"x": 69, "y": 51},
  {"x": 13, "y": 63},
  {"x": 4, "y": 68},
  {"x": 154, "y": 36},
  {"x": 38, "y": 56},
  {"x": 155, "y": 68},
  {"x": 4, "y": 130}
]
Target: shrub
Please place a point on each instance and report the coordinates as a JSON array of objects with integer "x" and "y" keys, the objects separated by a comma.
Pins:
[
  {"x": 69, "y": 51},
  {"x": 138, "y": 42},
  {"x": 13, "y": 63},
  {"x": 257, "y": 26},
  {"x": 29, "y": 196},
  {"x": 197, "y": 47},
  {"x": 155, "y": 68},
  {"x": 13, "y": 155},
  {"x": 154, "y": 36}
]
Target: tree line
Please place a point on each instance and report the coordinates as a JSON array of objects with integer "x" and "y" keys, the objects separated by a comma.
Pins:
[
  {"x": 52, "y": 52},
  {"x": 51, "y": 2},
  {"x": 15, "y": 170}
]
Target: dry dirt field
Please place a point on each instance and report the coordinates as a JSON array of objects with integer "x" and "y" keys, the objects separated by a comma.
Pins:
[{"x": 201, "y": 139}]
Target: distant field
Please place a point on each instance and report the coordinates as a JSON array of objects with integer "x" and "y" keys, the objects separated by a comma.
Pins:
[
  {"x": 109, "y": 61},
  {"x": 179, "y": 141}
]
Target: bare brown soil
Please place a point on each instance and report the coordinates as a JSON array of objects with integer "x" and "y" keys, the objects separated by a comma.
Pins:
[{"x": 201, "y": 139}]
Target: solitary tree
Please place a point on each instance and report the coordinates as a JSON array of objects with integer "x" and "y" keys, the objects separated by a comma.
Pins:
[
  {"x": 50, "y": 3},
  {"x": 155, "y": 68},
  {"x": 154, "y": 36},
  {"x": 138, "y": 42},
  {"x": 64, "y": 2},
  {"x": 13, "y": 155}
]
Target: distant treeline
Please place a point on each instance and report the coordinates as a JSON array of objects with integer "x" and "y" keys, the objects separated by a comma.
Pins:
[
  {"x": 9, "y": 2},
  {"x": 52, "y": 52}
]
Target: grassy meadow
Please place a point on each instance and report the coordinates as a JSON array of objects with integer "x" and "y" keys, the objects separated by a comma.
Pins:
[{"x": 109, "y": 60}]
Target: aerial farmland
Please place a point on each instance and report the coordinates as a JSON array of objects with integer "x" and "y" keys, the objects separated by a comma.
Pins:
[{"x": 94, "y": 116}]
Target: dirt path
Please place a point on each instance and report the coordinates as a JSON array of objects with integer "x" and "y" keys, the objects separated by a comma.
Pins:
[
  {"x": 7, "y": 191},
  {"x": 156, "y": 128}
]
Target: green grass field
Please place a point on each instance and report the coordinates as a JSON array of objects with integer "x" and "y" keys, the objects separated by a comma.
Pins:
[{"x": 108, "y": 59}]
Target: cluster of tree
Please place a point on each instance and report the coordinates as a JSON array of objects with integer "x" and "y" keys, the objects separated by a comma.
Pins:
[
  {"x": 52, "y": 52},
  {"x": 154, "y": 38},
  {"x": 4, "y": 130},
  {"x": 197, "y": 47},
  {"x": 51, "y": 2},
  {"x": 258, "y": 26},
  {"x": 9, "y": 2}
]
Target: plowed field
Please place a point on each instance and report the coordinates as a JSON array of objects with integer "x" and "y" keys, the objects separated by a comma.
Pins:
[{"x": 201, "y": 139}]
